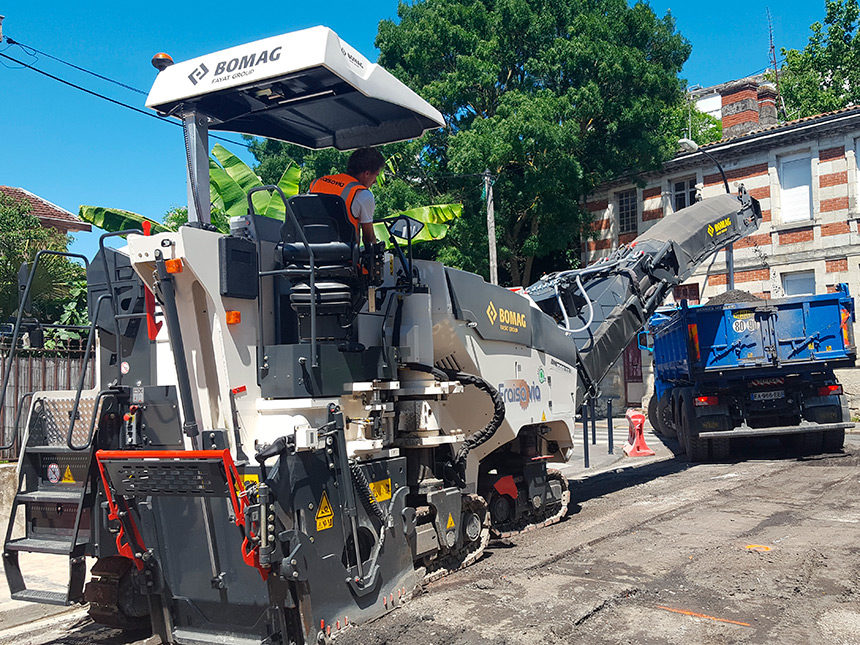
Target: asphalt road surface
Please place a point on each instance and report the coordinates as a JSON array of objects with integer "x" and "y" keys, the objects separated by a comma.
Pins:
[{"x": 760, "y": 550}]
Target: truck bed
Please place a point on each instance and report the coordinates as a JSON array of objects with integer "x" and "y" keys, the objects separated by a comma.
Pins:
[{"x": 755, "y": 339}]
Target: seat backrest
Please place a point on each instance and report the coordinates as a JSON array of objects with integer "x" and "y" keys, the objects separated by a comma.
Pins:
[{"x": 323, "y": 219}]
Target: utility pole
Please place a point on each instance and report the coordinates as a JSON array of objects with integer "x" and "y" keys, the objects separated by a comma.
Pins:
[{"x": 491, "y": 227}]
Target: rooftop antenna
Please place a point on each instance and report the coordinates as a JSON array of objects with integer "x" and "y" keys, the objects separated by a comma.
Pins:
[{"x": 773, "y": 62}]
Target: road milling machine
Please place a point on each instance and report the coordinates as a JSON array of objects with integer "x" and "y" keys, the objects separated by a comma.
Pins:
[{"x": 289, "y": 434}]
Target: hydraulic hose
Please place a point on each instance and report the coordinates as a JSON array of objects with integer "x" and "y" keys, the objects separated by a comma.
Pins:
[
  {"x": 363, "y": 487},
  {"x": 486, "y": 433}
]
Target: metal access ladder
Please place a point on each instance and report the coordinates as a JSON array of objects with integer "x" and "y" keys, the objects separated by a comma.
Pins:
[{"x": 56, "y": 490}]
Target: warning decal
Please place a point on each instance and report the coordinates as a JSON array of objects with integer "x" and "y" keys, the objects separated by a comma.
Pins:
[
  {"x": 53, "y": 473},
  {"x": 450, "y": 524},
  {"x": 325, "y": 515},
  {"x": 381, "y": 490},
  {"x": 67, "y": 477}
]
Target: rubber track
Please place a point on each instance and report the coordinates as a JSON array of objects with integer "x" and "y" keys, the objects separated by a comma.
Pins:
[
  {"x": 446, "y": 564},
  {"x": 551, "y": 473}
]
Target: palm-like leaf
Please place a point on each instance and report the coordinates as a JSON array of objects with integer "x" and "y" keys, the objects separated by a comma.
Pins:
[
  {"x": 289, "y": 184},
  {"x": 115, "y": 219}
]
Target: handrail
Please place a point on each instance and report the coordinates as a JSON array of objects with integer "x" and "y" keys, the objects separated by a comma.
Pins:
[
  {"x": 82, "y": 379},
  {"x": 91, "y": 434},
  {"x": 301, "y": 232},
  {"x": 17, "y": 329},
  {"x": 15, "y": 434}
]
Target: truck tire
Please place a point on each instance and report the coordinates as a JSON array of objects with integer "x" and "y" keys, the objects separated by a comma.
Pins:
[
  {"x": 695, "y": 448},
  {"x": 720, "y": 448},
  {"x": 808, "y": 443},
  {"x": 834, "y": 440},
  {"x": 660, "y": 414}
]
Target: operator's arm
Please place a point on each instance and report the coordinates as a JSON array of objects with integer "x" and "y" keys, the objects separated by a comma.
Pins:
[
  {"x": 367, "y": 234},
  {"x": 363, "y": 206}
]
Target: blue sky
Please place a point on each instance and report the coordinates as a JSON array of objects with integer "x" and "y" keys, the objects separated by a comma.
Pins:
[{"x": 73, "y": 149}]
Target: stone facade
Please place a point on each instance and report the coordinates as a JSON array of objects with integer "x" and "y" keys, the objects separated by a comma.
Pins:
[{"x": 784, "y": 166}]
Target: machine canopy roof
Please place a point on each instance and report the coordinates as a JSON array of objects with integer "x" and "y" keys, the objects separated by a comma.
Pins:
[{"x": 307, "y": 87}]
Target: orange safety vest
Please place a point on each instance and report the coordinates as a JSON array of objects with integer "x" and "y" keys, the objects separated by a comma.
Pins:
[{"x": 344, "y": 186}]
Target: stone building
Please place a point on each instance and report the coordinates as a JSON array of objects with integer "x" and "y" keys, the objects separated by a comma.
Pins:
[{"x": 805, "y": 174}]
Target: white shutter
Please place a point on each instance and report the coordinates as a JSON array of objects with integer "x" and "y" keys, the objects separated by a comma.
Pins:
[
  {"x": 796, "y": 184},
  {"x": 801, "y": 283}
]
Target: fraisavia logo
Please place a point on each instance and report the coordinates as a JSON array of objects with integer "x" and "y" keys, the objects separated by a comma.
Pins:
[
  {"x": 509, "y": 320},
  {"x": 718, "y": 228},
  {"x": 518, "y": 391},
  {"x": 491, "y": 313},
  {"x": 239, "y": 66}
]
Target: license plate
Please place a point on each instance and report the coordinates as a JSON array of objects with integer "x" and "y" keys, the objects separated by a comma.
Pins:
[{"x": 767, "y": 396}]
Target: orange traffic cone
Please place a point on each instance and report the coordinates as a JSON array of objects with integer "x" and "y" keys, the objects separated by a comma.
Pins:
[{"x": 636, "y": 446}]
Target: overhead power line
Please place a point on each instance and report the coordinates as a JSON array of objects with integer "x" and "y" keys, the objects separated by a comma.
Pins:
[
  {"x": 24, "y": 47},
  {"x": 107, "y": 98}
]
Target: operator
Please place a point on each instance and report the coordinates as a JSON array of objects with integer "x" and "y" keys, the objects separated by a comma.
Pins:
[{"x": 353, "y": 187}]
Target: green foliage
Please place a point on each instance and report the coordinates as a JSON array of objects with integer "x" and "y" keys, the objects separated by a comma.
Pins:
[
  {"x": 21, "y": 237},
  {"x": 553, "y": 97},
  {"x": 824, "y": 75},
  {"x": 685, "y": 120},
  {"x": 116, "y": 219}
]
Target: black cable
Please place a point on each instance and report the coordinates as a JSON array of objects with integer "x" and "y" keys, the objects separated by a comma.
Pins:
[
  {"x": 12, "y": 41},
  {"x": 114, "y": 101}
]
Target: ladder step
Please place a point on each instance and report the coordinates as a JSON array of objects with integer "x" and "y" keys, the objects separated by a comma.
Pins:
[
  {"x": 42, "y": 545},
  {"x": 58, "y": 495},
  {"x": 44, "y": 597},
  {"x": 57, "y": 450},
  {"x": 192, "y": 636}
]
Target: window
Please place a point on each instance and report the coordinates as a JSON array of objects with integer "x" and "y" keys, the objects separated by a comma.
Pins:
[
  {"x": 688, "y": 292},
  {"x": 800, "y": 283},
  {"x": 683, "y": 193},
  {"x": 627, "y": 211},
  {"x": 795, "y": 178}
]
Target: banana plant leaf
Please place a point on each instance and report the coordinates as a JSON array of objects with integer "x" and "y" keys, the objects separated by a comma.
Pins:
[
  {"x": 232, "y": 179},
  {"x": 115, "y": 219},
  {"x": 289, "y": 183},
  {"x": 430, "y": 231},
  {"x": 435, "y": 218}
]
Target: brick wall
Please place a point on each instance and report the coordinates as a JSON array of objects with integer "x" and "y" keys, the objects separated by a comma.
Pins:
[
  {"x": 833, "y": 266},
  {"x": 835, "y": 228},
  {"x": 800, "y": 235}
]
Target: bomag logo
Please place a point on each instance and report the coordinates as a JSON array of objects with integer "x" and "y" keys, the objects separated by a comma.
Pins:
[
  {"x": 241, "y": 66},
  {"x": 509, "y": 320},
  {"x": 718, "y": 228}
]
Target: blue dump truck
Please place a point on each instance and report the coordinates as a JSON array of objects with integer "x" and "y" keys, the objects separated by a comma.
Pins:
[{"x": 748, "y": 369}]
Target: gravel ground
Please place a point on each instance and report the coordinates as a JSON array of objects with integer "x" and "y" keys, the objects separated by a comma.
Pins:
[{"x": 763, "y": 550}]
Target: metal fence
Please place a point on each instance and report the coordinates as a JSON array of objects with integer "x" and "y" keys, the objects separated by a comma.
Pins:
[{"x": 37, "y": 370}]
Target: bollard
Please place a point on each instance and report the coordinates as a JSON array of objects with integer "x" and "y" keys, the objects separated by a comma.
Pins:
[
  {"x": 609, "y": 423},
  {"x": 592, "y": 412},
  {"x": 585, "y": 435}
]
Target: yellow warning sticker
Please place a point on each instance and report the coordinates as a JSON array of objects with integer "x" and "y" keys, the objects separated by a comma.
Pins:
[
  {"x": 325, "y": 514},
  {"x": 543, "y": 417},
  {"x": 450, "y": 524},
  {"x": 67, "y": 477},
  {"x": 381, "y": 490}
]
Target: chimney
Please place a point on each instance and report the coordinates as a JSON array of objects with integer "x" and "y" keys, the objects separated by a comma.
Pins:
[
  {"x": 740, "y": 108},
  {"x": 766, "y": 105}
]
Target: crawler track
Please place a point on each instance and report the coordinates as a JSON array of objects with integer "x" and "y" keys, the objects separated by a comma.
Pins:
[{"x": 558, "y": 511}]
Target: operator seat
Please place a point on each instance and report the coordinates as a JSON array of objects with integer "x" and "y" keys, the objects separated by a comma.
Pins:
[{"x": 335, "y": 246}]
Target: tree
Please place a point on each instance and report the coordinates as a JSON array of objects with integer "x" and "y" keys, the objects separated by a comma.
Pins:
[
  {"x": 824, "y": 75},
  {"x": 553, "y": 97},
  {"x": 21, "y": 237}
]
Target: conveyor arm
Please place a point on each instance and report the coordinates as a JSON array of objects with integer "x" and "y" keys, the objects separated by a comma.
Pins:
[{"x": 605, "y": 305}]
